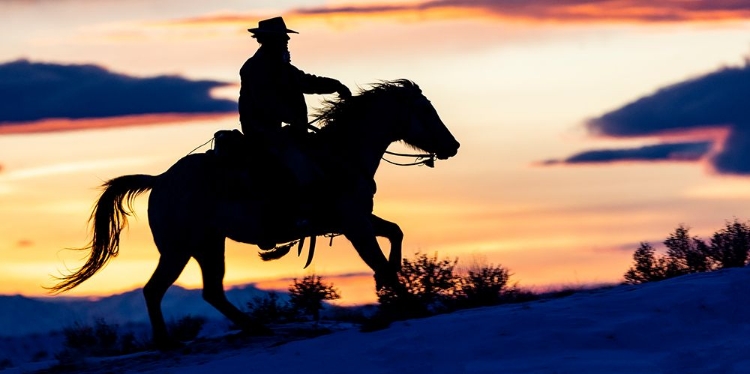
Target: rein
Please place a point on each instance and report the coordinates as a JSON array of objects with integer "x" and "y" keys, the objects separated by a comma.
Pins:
[
  {"x": 429, "y": 159},
  {"x": 198, "y": 147}
]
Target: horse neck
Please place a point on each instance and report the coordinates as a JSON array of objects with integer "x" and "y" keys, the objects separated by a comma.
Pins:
[
  {"x": 372, "y": 150},
  {"x": 365, "y": 142}
]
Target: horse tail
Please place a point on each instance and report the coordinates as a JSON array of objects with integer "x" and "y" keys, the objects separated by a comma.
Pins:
[{"x": 107, "y": 220}]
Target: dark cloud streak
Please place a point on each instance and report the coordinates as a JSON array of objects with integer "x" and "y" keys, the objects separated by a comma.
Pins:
[
  {"x": 364, "y": 9},
  {"x": 719, "y": 98},
  {"x": 717, "y": 102},
  {"x": 573, "y": 10},
  {"x": 32, "y": 91},
  {"x": 692, "y": 151}
]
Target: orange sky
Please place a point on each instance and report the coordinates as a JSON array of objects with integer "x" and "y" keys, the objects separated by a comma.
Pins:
[{"x": 514, "y": 85}]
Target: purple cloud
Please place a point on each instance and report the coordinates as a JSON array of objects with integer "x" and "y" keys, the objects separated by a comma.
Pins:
[
  {"x": 697, "y": 109},
  {"x": 32, "y": 91},
  {"x": 659, "y": 152},
  {"x": 538, "y": 10},
  {"x": 573, "y": 10}
]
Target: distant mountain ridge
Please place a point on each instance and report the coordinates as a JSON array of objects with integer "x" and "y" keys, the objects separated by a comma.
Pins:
[{"x": 20, "y": 315}]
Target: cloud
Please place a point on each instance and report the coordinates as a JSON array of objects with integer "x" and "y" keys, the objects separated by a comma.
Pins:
[
  {"x": 31, "y": 91},
  {"x": 711, "y": 108},
  {"x": 719, "y": 98},
  {"x": 540, "y": 10},
  {"x": 660, "y": 152},
  {"x": 53, "y": 125},
  {"x": 556, "y": 10}
]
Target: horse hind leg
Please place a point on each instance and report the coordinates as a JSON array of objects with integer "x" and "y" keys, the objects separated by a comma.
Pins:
[
  {"x": 211, "y": 261},
  {"x": 167, "y": 271}
]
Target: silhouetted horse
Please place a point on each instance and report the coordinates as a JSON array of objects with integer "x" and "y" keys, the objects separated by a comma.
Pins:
[{"x": 190, "y": 213}]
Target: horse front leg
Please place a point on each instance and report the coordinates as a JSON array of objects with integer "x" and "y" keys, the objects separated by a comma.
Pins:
[
  {"x": 395, "y": 236},
  {"x": 359, "y": 230}
]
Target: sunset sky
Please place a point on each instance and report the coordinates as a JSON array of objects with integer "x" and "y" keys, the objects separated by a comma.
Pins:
[{"x": 586, "y": 127}]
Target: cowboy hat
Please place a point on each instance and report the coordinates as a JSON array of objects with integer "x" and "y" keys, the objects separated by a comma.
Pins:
[{"x": 271, "y": 26}]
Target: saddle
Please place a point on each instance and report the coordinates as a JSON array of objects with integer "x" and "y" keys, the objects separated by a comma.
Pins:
[
  {"x": 249, "y": 165},
  {"x": 228, "y": 145},
  {"x": 247, "y": 170}
]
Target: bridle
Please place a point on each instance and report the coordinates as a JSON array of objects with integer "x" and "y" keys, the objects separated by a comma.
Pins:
[{"x": 427, "y": 159}]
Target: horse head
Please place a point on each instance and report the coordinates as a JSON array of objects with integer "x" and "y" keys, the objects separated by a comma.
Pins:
[
  {"x": 424, "y": 129},
  {"x": 387, "y": 112}
]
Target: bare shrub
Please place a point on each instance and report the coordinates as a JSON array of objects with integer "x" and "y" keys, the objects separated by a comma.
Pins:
[
  {"x": 647, "y": 266},
  {"x": 6, "y": 363},
  {"x": 427, "y": 286},
  {"x": 307, "y": 296},
  {"x": 686, "y": 254},
  {"x": 730, "y": 245},
  {"x": 269, "y": 309},
  {"x": 186, "y": 328}
]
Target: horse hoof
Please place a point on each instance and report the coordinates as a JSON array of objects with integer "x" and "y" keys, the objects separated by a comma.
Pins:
[{"x": 386, "y": 280}]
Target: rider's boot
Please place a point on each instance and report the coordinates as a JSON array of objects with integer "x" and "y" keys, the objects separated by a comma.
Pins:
[{"x": 304, "y": 201}]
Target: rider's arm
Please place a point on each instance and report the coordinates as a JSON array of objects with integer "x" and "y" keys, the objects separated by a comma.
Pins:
[{"x": 313, "y": 84}]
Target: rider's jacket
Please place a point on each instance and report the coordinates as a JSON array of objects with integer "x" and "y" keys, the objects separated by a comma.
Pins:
[{"x": 272, "y": 91}]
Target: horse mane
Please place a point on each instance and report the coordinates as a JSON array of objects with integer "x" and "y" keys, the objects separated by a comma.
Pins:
[{"x": 336, "y": 111}]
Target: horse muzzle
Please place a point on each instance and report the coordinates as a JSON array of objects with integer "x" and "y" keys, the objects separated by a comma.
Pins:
[{"x": 448, "y": 153}]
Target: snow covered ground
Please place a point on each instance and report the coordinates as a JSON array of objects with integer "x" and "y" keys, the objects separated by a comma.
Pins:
[{"x": 693, "y": 324}]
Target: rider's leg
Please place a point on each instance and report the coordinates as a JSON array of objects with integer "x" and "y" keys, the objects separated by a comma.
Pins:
[{"x": 306, "y": 175}]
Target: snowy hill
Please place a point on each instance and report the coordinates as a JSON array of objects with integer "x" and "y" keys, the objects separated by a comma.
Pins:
[{"x": 693, "y": 324}]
